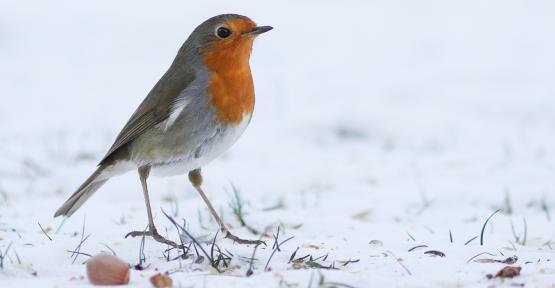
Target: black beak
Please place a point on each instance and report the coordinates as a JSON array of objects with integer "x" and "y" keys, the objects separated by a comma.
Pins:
[{"x": 258, "y": 30}]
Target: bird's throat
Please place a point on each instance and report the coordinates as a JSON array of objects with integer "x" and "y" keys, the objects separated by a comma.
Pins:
[{"x": 231, "y": 87}]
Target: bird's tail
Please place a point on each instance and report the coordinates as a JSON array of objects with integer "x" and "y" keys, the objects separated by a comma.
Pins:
[{"x": 83, "y": 193}]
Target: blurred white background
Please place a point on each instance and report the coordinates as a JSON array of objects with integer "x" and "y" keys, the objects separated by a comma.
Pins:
[
  {"x": 69, "y": 65},
  {"x": 375, "y": 106}
]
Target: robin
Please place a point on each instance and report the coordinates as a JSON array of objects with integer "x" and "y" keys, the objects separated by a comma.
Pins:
[{"x": 195, "y": 112}]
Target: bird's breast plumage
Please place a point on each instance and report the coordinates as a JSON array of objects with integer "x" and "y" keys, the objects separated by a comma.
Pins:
[
  {"x": 232, "y": 95},
  {"x": 231, "y": 88}
]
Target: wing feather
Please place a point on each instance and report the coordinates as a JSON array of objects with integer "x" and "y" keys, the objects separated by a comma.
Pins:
[{"x": 156, "y": 108}]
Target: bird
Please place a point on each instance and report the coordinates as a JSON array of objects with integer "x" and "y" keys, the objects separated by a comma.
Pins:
[{"x": 194, "y": 113}]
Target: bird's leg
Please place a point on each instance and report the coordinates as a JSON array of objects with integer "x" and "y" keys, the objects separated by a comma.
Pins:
[
  {"x": 143, "y": 175},
  {"x": 196, "y": 179}
]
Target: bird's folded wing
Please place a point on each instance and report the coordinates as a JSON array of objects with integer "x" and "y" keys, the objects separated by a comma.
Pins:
[{"x": 159, "y": 105}]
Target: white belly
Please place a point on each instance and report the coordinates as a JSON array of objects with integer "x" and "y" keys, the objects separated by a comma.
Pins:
[{"x": 214, "y": 146}]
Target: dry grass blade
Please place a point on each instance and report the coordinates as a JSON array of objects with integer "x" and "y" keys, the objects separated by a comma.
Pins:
[
  {"x": 237, "y": 204},
  {"x": 77, "y": 251},
  {"x": 350, "y": 261},
  {"x": 251, "y": 264},
  {"x": 44, "y": 232},
  {"x": 276, "y": 249},
  {"x": 470, "y": 240},
  {"x": 399, "y": 261},
  {"x": 416, "y": 247},
  {"x": 3, "y": 255},
  {"x": 478, "y": 255},
  {"x": 293, "y": 255},
  {"x": 192, "y": 239},
  {"x": 108, "y": 247},
  {"x": 142, "y": 256}
]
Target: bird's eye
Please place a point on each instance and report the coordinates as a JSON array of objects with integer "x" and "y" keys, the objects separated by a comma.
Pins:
[{"x": 223, "y": 32}]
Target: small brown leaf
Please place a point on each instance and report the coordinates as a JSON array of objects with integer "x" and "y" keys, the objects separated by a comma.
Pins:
[
  {"x": 312, "y": 246},
  {"x": 361, "y": 215},
  {"x": 485, "y": 260},
  {"x": 508, "y": 272},
  {"x": 435, "y": 253},
  {"x": 161, "y": 281}
]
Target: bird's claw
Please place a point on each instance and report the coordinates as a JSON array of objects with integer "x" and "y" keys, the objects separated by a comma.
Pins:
[
  {"x": 154, "y": 234},
  {"x": 236, "y": 239}
]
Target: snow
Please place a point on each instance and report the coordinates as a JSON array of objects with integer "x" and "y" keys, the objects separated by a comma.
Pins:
[{"x": 380, "y": 126}]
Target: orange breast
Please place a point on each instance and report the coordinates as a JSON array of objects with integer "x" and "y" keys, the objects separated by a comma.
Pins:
[{"x": 231, "y": 87}]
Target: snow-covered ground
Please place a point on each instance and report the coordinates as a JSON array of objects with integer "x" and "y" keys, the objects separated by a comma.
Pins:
[{"x": 379, "y": 126}]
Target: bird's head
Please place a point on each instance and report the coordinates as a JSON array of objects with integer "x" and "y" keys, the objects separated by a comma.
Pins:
[{"x": 225, "y": 41}]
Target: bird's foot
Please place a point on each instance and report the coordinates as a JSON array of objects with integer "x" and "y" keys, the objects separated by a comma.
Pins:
[
  {"x": 236, "y": 239},
  {"x": 154, "y": 234}
]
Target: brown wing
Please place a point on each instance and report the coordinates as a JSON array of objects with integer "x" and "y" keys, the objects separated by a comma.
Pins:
[{"x": 156, "y": 108}]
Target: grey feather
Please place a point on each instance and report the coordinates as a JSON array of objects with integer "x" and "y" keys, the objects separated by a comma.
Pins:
[{"x": 83, "y": 193}]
